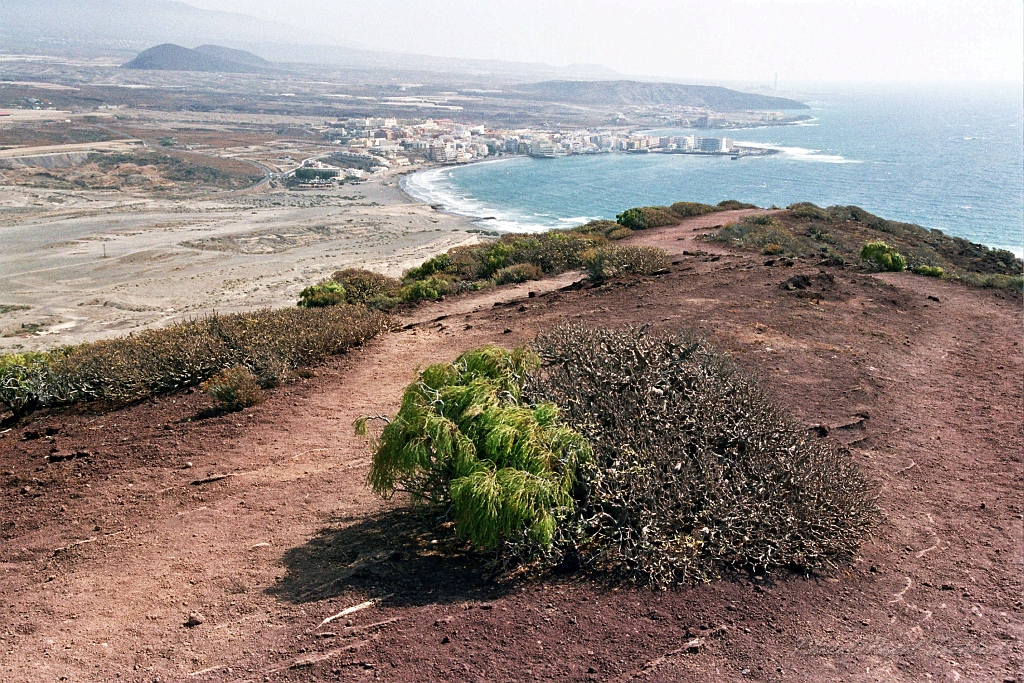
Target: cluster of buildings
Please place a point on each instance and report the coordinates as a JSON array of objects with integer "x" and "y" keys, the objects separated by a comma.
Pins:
[{"x": 366, "y": 143}]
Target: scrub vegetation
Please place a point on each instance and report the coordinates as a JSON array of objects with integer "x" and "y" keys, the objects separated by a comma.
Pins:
[
  {"x": 848, "y": 234},
  {"x": 511, "y": 259},
  {"x": 641, "y": 457},
  {"x": 468, "y": 448},
  {"x": 269, "y": 344}
]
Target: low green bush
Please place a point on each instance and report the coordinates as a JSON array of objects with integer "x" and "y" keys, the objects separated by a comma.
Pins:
[
  {"x": 367, "y": 287},
  {"x": 441, "y": 264},
  {"x": 430, "y": 289},
  {"x": 234, "y": 388},
  {"x": 929, "y": 271},
  {"x": 329, "y": 293},
  {"x": 521, "y": 272},
  {"x": 686, "y": 209},
  {"x": 599, "y": 263},
  {"x": 645, "y": 217},
  {"x": 881, "y": 256},
  {"x": 465, "y": 445}
]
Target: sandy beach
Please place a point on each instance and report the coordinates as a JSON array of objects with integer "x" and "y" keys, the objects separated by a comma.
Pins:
[{"x": 90, "y": 264}]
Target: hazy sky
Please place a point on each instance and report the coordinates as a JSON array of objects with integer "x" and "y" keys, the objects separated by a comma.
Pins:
[{"x": 749, "y": 40}]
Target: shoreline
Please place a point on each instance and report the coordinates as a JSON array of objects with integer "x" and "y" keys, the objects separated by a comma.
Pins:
[{"x": 484, "y": 216}]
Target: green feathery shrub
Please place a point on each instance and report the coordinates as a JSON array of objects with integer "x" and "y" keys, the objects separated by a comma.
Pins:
[
  {"x": 465, "y": 445},
  {"x": 329, "y": 293},
  {"x": 883, "y": 257}
]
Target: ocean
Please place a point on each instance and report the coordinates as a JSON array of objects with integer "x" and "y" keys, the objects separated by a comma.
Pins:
[{"x": 947, "y": 158}]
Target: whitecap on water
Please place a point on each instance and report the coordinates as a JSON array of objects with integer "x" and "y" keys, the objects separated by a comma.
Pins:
[{"x": 801, "y": 153}]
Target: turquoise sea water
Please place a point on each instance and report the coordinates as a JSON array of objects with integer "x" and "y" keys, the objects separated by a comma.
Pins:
[{"x": 942, "y": 158}]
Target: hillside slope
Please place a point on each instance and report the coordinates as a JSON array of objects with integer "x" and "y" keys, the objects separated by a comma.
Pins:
[
  {"x": 642, "y": 93},
  {"x": 116, "y": 527},
  {"x": 171, "y": 57}
]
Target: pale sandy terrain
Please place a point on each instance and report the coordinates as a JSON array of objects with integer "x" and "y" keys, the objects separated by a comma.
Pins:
[
  {"x": 94, "y": 264},
  {"x": 106, "y": 146}
]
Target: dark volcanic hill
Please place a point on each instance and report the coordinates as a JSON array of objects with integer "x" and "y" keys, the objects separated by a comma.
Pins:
[
  {"x": 228, "y": 54},
  {"x": 643, "y": 93},
  {"x": 171, "y": 57}
]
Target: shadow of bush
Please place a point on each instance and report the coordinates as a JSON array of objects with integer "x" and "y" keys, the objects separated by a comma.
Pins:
[{"x": 395, "y": 553}]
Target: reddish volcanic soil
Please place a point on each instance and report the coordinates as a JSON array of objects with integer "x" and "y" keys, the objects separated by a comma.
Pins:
[{"x": 259, "y": 521}]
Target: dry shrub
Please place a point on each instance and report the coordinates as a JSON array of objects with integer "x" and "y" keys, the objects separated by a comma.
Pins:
[
  {"x": 808, "y": 210},
  {"x": 687, "y": 209},
  {"x": 606, "y": 262},
  {"x": 597, "y": 227},
  {"x": 367, "y": 287},
  {"x": 696, "y": 471},
  {"x": 234, "y": 388},
  {"x": 521, "y": 272},
  {"x": 268, "y": 343},
  {"x": 758, "y": 232},
  {"x": 995, "y": 280},
  {"x": 733, "y": 205}
]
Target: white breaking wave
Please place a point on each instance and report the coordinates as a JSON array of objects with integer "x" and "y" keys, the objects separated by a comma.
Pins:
[
  {"x": 801, "y": 153},
  {"x": 435, "y": 187}
]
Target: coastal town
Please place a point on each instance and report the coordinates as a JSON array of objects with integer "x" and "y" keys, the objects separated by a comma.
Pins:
[{"x": 369, "y": 144}]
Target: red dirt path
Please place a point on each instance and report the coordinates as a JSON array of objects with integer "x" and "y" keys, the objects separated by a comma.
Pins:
[{"x": 927, "y": 393}]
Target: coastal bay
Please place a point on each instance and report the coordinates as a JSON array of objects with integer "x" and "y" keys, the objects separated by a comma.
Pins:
[{"x": 942, "y": 158}]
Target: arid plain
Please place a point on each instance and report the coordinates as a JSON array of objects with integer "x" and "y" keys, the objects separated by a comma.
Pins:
[{"x": 94, "y": 251}]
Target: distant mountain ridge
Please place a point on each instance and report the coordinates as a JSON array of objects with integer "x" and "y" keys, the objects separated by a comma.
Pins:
[
  {"x": 212, "y": 58},
  {"x": 133, "y": 22},
  {"x": 104, "y": 27},
  {"x": 646, "y": 93},
  {"x": 227, "y": 54}
]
